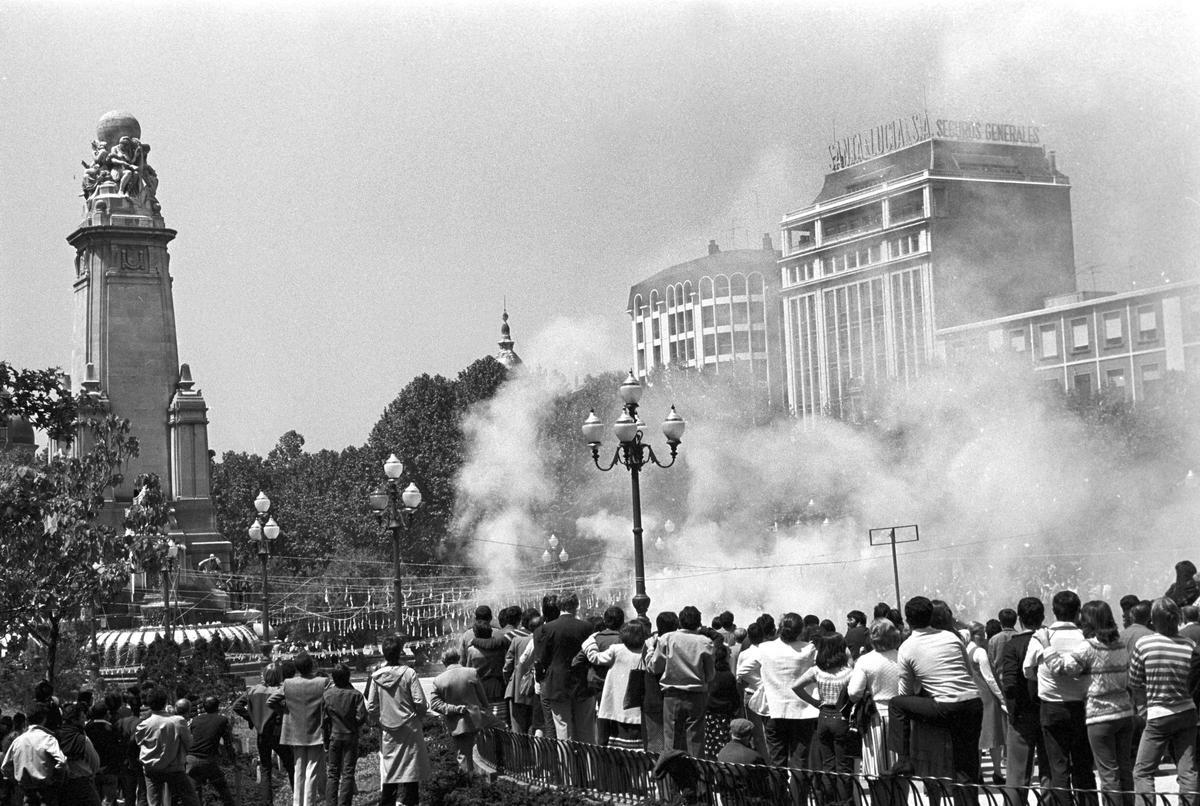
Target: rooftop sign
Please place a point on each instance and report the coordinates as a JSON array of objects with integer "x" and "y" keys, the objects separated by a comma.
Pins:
[
  {"x": 878, "y": 140},
  {"x": 904, "y": 132}
]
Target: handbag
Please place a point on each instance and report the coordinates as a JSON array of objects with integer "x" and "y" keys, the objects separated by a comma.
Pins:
[
  {"x": 635, "y": 688},
  {"x": 864, "y": 710},
  {"x": 854, "y": 736}
]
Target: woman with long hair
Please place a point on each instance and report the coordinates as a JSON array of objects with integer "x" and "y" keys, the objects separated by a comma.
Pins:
[
  {"x": 724, "y": 700},
  {"x": 1109, "y": 706},
  {"x": 831, "y": 746}
]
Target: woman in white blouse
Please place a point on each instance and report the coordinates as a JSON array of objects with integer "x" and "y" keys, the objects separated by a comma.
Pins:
[{"x": 877, "y": 673}]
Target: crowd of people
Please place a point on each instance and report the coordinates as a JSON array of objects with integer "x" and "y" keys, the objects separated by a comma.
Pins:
[
  {"x": 1068, "y": 696},
  {"x": 1080, "y": 703}
]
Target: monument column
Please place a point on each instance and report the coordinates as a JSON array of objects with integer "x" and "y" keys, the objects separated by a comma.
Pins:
[{"x": 125, "y": 348}]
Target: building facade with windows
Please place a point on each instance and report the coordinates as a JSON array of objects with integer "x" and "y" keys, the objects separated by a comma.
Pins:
[
  {"x": 1085, "y": 342},
  {"x": 716, "y": 313},
  {"x": 898, "y": 247}
]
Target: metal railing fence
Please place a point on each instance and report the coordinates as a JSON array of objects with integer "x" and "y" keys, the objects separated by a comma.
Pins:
[{"x": 626, "y": 776}]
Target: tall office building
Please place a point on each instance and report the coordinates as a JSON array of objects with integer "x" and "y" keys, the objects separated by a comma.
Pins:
[{"x": 918, "y": 228}]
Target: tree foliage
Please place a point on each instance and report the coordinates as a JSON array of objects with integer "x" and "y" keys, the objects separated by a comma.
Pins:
[
  {"x": 40, "y": 397},
  {"x": 59, "y": 558},
  {"x": 321, "y": 499}
]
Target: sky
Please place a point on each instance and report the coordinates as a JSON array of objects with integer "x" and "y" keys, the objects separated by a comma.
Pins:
[{"x": 358, "y": 188}]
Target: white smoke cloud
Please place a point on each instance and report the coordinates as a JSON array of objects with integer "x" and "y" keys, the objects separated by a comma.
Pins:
[{"x": 1014, "y": 495}]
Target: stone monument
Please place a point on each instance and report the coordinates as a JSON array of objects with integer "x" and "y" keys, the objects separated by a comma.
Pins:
[{"x": 125, "y": 354}]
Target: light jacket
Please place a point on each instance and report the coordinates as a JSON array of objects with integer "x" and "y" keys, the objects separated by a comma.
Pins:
[
  {"x": 395, "y": 697},
  {"x": 164, "y": 740},
  {"x": 300, "y": 702},
  {"x": 34, "y": 759},
  {"x": 684, "y": 661}
]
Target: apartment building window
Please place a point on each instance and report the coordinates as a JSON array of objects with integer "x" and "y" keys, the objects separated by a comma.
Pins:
[
  {"x": 1079, "y": 335},
  {"x": 1016, "y": 340},
  {"x": 1083, "y": 385},
  {"x": 1147, "y": 323},
  {"x": 1114, "y": 331},
  {"x": 906, "y": 207},
  {"x": 1115, "y": 378},
  {"x": 1049, "y": 340},
  {"x": 905, "y": 245}
]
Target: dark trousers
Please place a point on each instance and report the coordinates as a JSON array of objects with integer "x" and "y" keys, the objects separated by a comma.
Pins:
[
  {"x": 207, "y": 770},
  {"x": 340, "y": 763},
  {"x": 1064, "y": 729},
  {"x": 520, "y": 717},
  {"x": 548, "y": 730},
  {"x": 133, "y": 786},
  {"x": 268, "y": 744},
  {"x": 683, "y": 720},
  {"x": 181, "y": 787},
  {"x": 963, "y": 720},
  {"x": 410, "y": 794},
  {"x": 1110, "y": 741},
  {"x": 1023, "y": 739},
  {"x": 35, "y": 796},
  {"x": 79, "y": 792},
  {"x": 831, "y": 754},
  {"x": 789, "y": 741}
]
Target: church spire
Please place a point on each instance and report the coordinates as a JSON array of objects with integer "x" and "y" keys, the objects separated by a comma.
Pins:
[{"x": 507, "y": 356}]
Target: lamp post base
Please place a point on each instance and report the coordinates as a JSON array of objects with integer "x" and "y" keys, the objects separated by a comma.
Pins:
[{"x": 641, "y": 603}]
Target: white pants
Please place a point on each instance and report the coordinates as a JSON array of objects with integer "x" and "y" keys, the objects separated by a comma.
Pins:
[{"x": 309, "y": 774}]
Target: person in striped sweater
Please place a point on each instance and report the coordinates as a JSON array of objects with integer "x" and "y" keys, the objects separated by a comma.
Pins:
[{"x": 1158, "y": 677}]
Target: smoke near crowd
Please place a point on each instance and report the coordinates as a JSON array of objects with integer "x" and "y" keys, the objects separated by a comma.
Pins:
[{"x": 1015, "y": 491}]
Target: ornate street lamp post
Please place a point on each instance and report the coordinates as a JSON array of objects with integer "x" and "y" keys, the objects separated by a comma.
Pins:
[
  {"x": 263, "y": 531},
  {"x": 552, "y": 553},
  {"x": 634, "y": 455},
  {"x": 397, "y": 508}
]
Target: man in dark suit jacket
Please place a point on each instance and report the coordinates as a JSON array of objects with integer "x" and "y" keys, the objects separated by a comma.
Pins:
[
  {"x": 459, "y": 697},
  {"x": 564, "y": 681},
  {"x": 1024, "y": 734}
]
